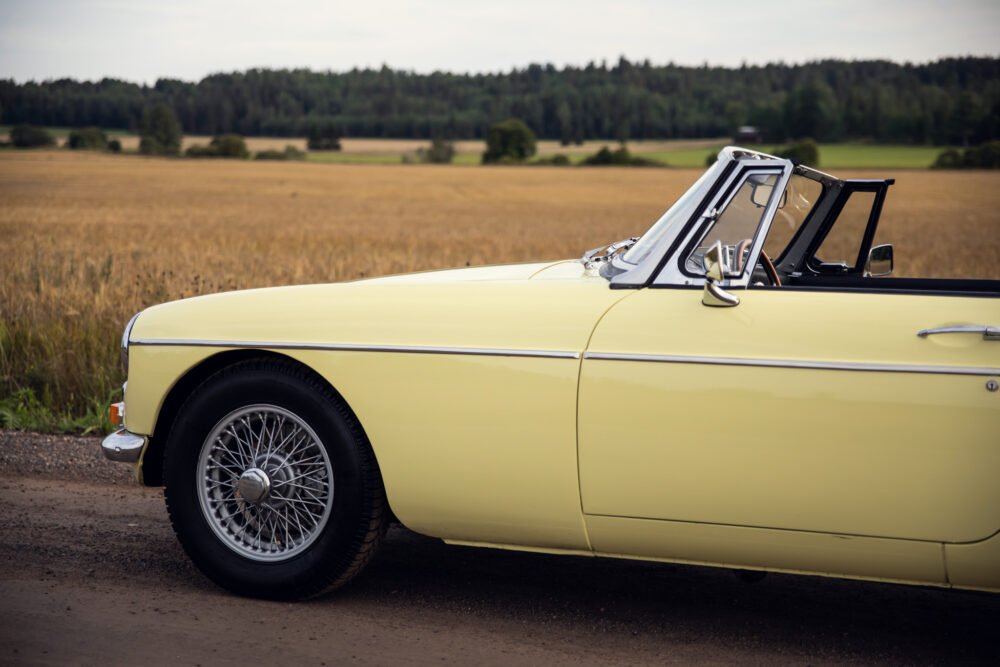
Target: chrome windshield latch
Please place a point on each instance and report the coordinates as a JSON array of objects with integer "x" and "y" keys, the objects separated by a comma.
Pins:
[{"x": 591, "y": 258}]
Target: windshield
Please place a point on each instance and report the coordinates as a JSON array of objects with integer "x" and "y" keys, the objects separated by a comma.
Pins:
[
  {"x": 802, "y": 195},
  {"x": 737, "y": 225},
  {"x": 676, "y": 215}
]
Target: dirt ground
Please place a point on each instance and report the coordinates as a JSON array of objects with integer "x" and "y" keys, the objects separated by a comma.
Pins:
[{"x": 90, "y": 573}]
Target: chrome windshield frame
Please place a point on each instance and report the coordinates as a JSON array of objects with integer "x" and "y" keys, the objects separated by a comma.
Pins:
[
  {"x": 624, "y": 274},
  {"x": 663, "y": 265},
  {"x": 674, "y": 272}
]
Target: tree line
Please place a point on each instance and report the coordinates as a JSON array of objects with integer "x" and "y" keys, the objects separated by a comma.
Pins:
[{"x": 949, "y": 101}]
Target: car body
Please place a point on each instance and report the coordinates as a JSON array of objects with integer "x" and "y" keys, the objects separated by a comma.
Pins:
[{"x": 720, "y": 391}]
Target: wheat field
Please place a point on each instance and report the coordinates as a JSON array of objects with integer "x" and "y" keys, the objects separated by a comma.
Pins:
[{"x": 88, "y": 239}]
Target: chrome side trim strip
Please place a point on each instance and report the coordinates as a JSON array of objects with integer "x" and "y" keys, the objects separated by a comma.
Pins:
[
  {"x": 348, "y": 347},
  {"x": 792, "y": 363}
]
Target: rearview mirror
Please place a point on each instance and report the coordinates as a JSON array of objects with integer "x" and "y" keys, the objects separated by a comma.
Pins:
[
  {"x": 714, "y": 261},
  {"x": 879, "y": 261},
  {"x": 760, "y": 194}
]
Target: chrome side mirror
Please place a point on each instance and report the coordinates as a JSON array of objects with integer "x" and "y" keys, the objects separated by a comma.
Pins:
[
  {"x": 879, "y": 261},
  {"x": 714, "y": 261}
]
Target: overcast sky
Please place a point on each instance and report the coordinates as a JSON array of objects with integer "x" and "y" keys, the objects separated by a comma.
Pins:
[{"x": 141, "y": 41}]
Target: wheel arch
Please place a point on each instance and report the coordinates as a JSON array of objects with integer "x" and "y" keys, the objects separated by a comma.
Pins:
[{"x": 152, "y": 459}]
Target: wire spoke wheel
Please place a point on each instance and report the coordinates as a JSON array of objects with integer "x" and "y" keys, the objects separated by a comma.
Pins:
[
  {"x": 271, "y": 483},
  {"x": 265, "y": 483}
]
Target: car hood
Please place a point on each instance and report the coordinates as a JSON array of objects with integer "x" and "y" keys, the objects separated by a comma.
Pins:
[
  {"x": 500, "y": 272},
  {"x": 547, "y": 307}
]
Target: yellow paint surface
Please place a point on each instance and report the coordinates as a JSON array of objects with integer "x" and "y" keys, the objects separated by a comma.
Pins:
[
  {"x": 901, "y": 455},
  {"x": 859, "y": 474}
]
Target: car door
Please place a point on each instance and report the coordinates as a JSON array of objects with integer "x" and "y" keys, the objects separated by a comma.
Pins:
[
  {"x": 799, "y": 409},
  {"x": 811, "y": 411}
]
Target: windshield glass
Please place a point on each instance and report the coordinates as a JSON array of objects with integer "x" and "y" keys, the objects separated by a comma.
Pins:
[
  {"x": 738, "y": 223},
  {"x": 676, "y": 215},
  {"x": 802, "y": 195}
]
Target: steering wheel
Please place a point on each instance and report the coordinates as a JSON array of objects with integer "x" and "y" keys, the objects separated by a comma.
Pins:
[
  {"x": 772, "y": 273},
  {"x": 765, "y": 262}
]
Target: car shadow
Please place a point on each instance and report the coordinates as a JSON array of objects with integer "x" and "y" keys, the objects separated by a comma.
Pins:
[{"x": 793, "y": 614}]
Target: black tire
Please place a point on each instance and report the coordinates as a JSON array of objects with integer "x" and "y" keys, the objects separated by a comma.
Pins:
[{"x": 356, "y": 510}]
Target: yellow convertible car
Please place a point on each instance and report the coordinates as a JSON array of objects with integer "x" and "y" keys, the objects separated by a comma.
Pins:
[{"x": 742, "y": 386}]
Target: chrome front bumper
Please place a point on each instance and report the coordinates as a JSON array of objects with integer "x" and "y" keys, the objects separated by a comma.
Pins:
[{"x": 123, "y": 446}]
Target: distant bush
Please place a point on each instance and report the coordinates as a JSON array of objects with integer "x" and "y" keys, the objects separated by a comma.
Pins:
[
  {"x": 509, "y": 142},
  {"x": 160, "y": 133},
  {"x": 30, "y": 136},
  {"x": 114, "y": 146},
  {"x": 87, "y": 138},
  {"x": 199, "y": 151},
  {"x": 441, "y": 151},
  {"x": 509, "y": 160},
  {"x": 323, "y": 136},
  {"x": 801, "y": 152},
  {"x": 222, "y": 146},
  {"x": 557, "y": 160},
  {"x": 290, "y": 153},
  {"x": 950, "y": 158},
  {"x": 230, "y": 145},
  {"x": 985, "y": 156},
  {"x": 617, "y": 158},
  {"x": 605, "y": 157}
]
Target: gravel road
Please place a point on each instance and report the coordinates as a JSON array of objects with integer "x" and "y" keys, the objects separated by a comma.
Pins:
[{"x": 90, "y": 573}]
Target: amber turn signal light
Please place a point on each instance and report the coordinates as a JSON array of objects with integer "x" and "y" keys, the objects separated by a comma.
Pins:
[{"x": 116, "y": 414}]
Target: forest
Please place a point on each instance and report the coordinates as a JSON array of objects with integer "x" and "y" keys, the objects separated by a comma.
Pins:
[{"x": 953, "y": 101}]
